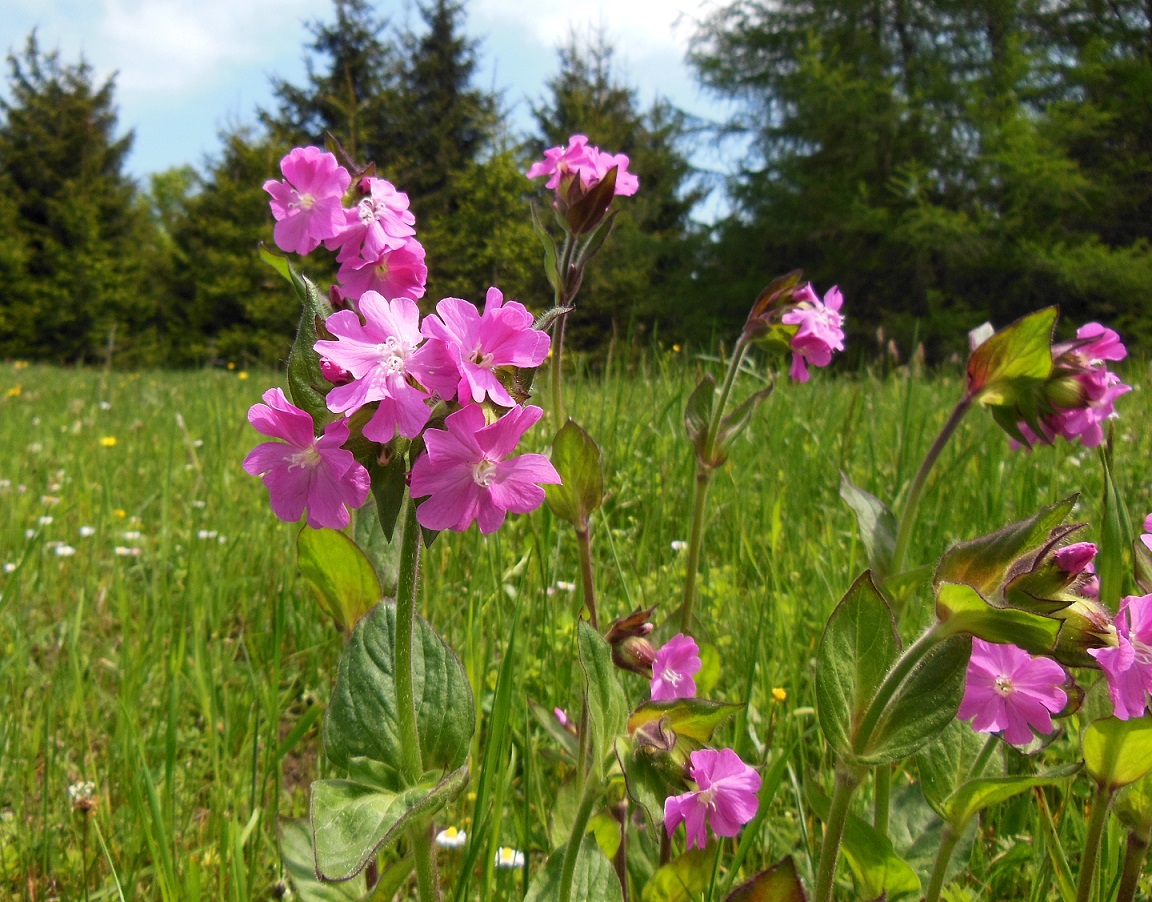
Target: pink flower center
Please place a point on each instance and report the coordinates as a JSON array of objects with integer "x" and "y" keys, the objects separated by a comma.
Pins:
[
  {"x": 305, "y": 458},
  {"x": 304, "y": 201},
  {"x": 481, "y": 359},
  {"x": 1004, "y": 685},
  {"x": 671, "y": 677},
  {"x": 482, "y": 472},
  {"x": 1141, "y": 652},
  {"x": 393, "y": 354},
  {"x": 367, "y": 210},
  {"x": 707, "y": 796}
]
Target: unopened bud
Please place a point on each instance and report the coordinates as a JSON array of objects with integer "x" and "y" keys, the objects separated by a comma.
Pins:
[
  {"x": 1086, "y": 624},
  {"x": 1076, "y": 557},
  {"x": 634, "y": 654},
  {"x": 655, "y": 737},
  {"x": 635, "y": 624}
]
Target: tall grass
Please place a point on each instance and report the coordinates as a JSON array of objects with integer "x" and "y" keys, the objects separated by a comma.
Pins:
[{"x": 184, "y": 674}]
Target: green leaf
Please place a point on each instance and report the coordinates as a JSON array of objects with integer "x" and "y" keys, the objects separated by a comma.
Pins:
[
  {"x": 596, "y": 240},
  {"x": 858, "y": 646},
  {"x": 342, "y": 578},
  {"x": 384, "y": 554},
  {"x": 698, "y": 416},
  {"x": 648, "y": 784},
  {"x": 877, "y": 525},
  {"x": 963, "y": 610},
  {"x": 576, "y": 457},
  {"x": 362, "y": 719},
  {"x": 300, "y": 864},
  {"x": 551, "y": 269},
  {"x": 878, "y": 870},
  {"x": 306, "y": 383},
  {"x": 1114, "y": 537},
  {"x": 389, "y": 488},
  {"x": 1133, "y": 806},
  {"x": 944, "y": 765},
  {"x": 593, "y": 878},
  {"x": 779, "y": 883},
  {"x": 984, "y": 563},
  {"x": 984, "y": 792},
  {"x": 607, "y": 706},
  {"x": 923, "y": 704},
  {"x": 1004, "y": 369},
  {"x": 1117, "y": 752},
  {"x": 683, "y": 879},
  {"x": 737, "y": 421},
  {"x": 352, "y": 822},
  {"x": 587, "y": 213},
  {"x": 696, "y": 718}
]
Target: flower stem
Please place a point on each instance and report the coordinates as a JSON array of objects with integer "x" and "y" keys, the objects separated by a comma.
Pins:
[
  {"x": 1101, "y": 802},
  {"x": 882, "y": 806},
  {"x": 584, "y": 542},
  {"x": 1134, "y": 859},
  {"x": 579, "y": 826},
  {"x": 916, "y": 491},
  {"x": 411, "y": 762},
  {"x": 705, "y": 467},
  {"x": 846, "y": 782},
  {"x": 424, "y": 853},
  {"x": 943, "y": 856},
  {"x": 563, "y": 297}
]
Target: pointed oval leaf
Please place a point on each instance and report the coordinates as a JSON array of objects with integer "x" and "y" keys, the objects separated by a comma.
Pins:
[
  {"x": 737, "y": 421},
  {"x": 352, "y": 822},
  {"x": 362, "y": 719},
  {"x": 341, "y": 577},
  {"x": 551, "y": 270},
  {"x": 1118, "y": 752},
  {"x": 1014, "y": 360},
  {"x": 300, "y": 864},
  {"x": 924, "y": 703},
  {"x": 576, "y": 457},
  {"x": 696, "y": 718},
  {"x": 306, "y": 383},
  {"x": 683, "y": 879},
  {"x": 593, "y": 878},
  {"x": 944, "y": 765},
  {"x": 984, "y": 792},
  {"x": 607, "y": 705},
  {"x": 698, "y": 415},
  {"x": 857, "y": 648},
  {"x": 780, "y": 883},
  {"x": 963, "y": 610},
  {"x": 877, "y": 525}
]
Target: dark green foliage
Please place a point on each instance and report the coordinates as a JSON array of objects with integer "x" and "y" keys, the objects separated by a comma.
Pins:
[
  {"x": 75, "y": 264},
  {"x": 642, "y": 276}
]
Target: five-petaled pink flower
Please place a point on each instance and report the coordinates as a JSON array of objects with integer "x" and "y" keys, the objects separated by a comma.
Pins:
[
  {"x": 467, "y": 478},
  {"x": 380, "y": 222},
  {"x": 399, "y": 273},
  {"x": 677, "y": 662},
  {"x": 589, "y": 163},
  {"x": 383, "y": 356},
  {"x": 304, "y": 471},
  {"x": 1008, "y": 691},
  {"x": 1128, "y": 666},
  {"x": 727, "y": 797},
  {"x": 308, "y": 203},
  {"x": 480, "y": 344},
  {"x": 821, "y": 329}
]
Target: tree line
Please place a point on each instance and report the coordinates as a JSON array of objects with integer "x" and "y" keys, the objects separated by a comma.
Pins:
[{"x": 944, "y": 162}]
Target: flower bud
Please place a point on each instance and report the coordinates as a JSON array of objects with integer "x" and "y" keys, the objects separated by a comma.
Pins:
[
  {"x": 1086, "y": 624},
  {"x": 634, "y": 654},
  {"x": 1075, "y": 558}
]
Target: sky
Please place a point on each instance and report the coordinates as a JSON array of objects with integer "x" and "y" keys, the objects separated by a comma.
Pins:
[{"x": 186, "y": 69}]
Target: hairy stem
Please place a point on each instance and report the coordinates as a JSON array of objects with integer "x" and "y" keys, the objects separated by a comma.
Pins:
[
  {"x": 1134, "y": 859},
  {"x": 846, "y": 782},
  {"x": 584, "y": 543},
  {"x": 411, "y": 762},
  {"x": 1101, "y": 802},
  {"x": 943, "y": 856},
  {"x": 579, "y": 827}
]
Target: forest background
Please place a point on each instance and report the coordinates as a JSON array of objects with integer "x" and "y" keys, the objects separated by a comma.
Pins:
[{"x": 944, "y": 162}]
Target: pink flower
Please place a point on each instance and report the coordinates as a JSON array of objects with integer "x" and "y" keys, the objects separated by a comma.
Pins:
[
  {"x": 820, "y": 331},
  {"x": 467, "y": 478},
  {"x": 727, "y": 797},
  {"x": 304, "y": 471},
  {"x": 589, "y": 163},
  {"x": 399, "y": 273},
  {"x": 308, "y": 204},
  {"x": 1008, "y": 691},
  {"x": 1128, "y": 666},
  {"x": 379, "y": 222},
  {"x": 383, "y": 356},
  {"x": 1102, "y": 343},
  {"x": 677, "y": 662},
  {"x": 1146, "y": 536},
  {"x": 480, "y": 344},
  {"x": 1075, "y": 558}
]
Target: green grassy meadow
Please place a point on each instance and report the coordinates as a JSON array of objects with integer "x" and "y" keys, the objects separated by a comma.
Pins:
[{"x": 156, "y": 639}]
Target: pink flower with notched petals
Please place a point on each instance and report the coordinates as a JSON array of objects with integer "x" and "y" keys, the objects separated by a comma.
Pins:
[
  {"x": 589, "y": 163},
  {"x": 1128, "y": 666},
  {"x": 480, "y": 344},
  {"x": 383, "y": 356},
  {"x": 399, "y": 273},
  {"x": 308, "y": 204},
  {"x": 627, "y": 184},
  {"x": 1008, "y": 691},
  {"x": 821, "y": 329},
  {"x": 303, "y": 471},
  {"x": 467, "y": 476},
  {"x": 677, "y": 662},
  {"x": 379, "y": 222},
  {"x": 726, "y": 800}
]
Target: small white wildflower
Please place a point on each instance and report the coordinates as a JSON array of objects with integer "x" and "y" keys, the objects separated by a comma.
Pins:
[
  {"x": 133, "y": 535},
  {"x": 562, "y": 586},
  {"x": 223, "y": 540},
  {"x": 9, "y": 567},
  {"x": 451, "y": 838},
  {"x": 200, "y": 505},
  {"x": 64, "y": 551},
  {"x": 82, "y": 795},
  {"x": 45, "y": 520},
  {"x": 50, "y": 499},
  {"x": 5, "y": 483},
  {"x": 35, "y": 448},
  {"x": 509, "y": 858},
  {"x": 21, "y": 488},
  {"x": 199, "y": 443},
  {"x": 679, "y": 545},
  {"x": 207, "y": 534},
  {"x": 104, "y": 405},
  {"x": 87, "y": 531},
  {"x": 29, "y": 533},
  {"x": 121, "y": 551}
]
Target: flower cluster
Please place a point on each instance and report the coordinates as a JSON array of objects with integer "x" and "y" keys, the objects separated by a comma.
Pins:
[
  {"x": 1127, "y": 666},
  {"x": 582, "y": 166},
  {"x": 1081, "y": 392},
  {"x": 795, "y": 320},
  {"x": 393, "y": 369}
]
